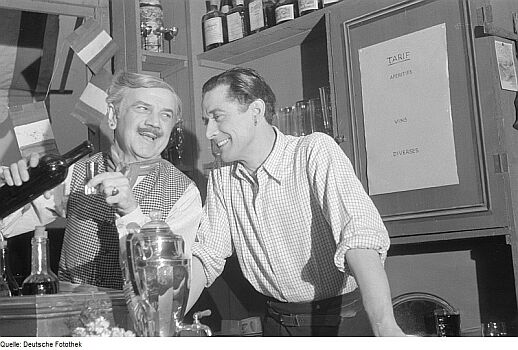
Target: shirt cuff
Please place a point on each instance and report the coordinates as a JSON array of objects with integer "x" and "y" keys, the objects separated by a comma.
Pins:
[
  {"x": 135, "y": 216},
  {"x": 360, "y": 241}
]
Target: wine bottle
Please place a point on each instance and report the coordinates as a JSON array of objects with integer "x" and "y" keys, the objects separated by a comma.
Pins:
[
  {"x": 308, "y": 6},
  {"x": 237, "y": 26},
  {"x": 50, "y": 172},
  {"x": 8, "y": 285},
  {"x": 41, "y": 280},
  {"x": 286, "y": 10},
  {"x": 269, "y": 8},
  {"x": 257, "y": 19},
  {"x": 212, "y": 26},
  {"x": 225, "y": 7}
]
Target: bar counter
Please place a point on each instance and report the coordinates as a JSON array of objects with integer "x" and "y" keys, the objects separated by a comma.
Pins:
[{"x": 56, "y": 315}]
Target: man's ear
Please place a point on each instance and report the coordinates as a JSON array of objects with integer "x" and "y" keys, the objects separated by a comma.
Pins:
[
  {"x": 111, "y": 117},
  {"x": 258, "y": 108}
]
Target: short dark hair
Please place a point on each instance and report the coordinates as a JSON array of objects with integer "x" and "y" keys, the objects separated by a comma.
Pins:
[{"x": 244, "y": 85}]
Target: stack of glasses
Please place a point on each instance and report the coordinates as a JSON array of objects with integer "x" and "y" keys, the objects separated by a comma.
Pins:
[{"x": 307, "y": 116}]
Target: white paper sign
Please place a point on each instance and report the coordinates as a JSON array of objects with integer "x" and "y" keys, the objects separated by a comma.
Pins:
[{"x": 407, "y": 113}]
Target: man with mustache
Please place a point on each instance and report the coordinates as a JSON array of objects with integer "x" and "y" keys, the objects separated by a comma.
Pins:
[
  {"x": 133, "y": 180},
  {"x": 305, "y": 233}
]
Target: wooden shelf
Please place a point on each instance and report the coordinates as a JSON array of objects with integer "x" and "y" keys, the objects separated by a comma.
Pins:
[
  {"x": 264, "y": 43},
  {"x": 162, "y": 62}
]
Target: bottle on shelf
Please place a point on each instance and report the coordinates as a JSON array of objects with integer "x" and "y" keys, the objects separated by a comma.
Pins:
[
  {"x": 8, "y": 285},
  {"x": 225, "y": 7},
  {"x": 212, "y": 26},
  {"x": 308, "y": 6},
  {"x": 256, "y": 13},
  {"x": 326, "y": 3},
  {"x": 42, "y": 280},
  {"x": 237, "y": 24},
  {"x": 269, "y": 7},
  {"x": 50, "y": 172},
  {"x": 286, "y": 10}
]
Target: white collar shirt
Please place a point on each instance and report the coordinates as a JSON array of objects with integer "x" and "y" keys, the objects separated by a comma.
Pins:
[{"x": 291, "y": 223}]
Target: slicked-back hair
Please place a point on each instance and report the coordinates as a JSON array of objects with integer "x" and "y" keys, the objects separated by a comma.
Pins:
[
  {"x": 245, "y": 85},
  {"x": 124, "y": 81}
]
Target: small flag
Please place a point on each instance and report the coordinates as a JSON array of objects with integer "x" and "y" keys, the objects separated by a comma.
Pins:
[
  {"x": 91, "y": 107},
  {"x": 32, "y": 129},
  {"x": 92, "y": 44}
]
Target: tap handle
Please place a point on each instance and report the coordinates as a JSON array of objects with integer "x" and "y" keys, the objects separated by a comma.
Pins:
[{"x": 200, "y": 314}]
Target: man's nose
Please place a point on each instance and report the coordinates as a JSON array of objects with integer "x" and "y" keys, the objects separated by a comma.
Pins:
[
  {"x": 153, "y": 119},
  {"x": 212, "y": 129}
]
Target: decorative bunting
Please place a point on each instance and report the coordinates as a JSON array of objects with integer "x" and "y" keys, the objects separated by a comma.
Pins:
[
  {"x": 92, "y": 44},
  {"x": 32, "y": 129},
  {"x": 91, "y": 107}
]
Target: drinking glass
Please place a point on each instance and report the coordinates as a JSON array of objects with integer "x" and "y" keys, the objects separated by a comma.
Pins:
[
  {"x": 447, "y": 323},
  {"x": 298, "y": 125},
  {"x": 316, "y": 121},
  {"x": 327, "y": 110},
  {"x": 92, "y": 169},
  {"x": 494, "y": 329},
  {"x": 285, "y": 116}
]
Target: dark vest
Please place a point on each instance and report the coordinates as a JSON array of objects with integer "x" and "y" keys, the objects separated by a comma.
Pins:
[{"x": 90, "y": 252}]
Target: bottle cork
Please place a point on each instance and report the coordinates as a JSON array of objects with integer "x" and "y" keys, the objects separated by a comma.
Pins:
[{"x": 39, "y": 232}]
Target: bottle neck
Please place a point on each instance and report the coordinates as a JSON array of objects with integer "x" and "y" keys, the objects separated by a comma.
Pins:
[
  {"x": 3, "y": 260},
  {"x": 78, "y": 152},
  {"x": 40, "y": 254}
]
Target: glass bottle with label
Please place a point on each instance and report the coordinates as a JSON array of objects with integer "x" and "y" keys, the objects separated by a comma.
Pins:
[
  {"x": 326, "y": 3},
  {"x": 8, "y": 285},
  {"x": 41, "y": 280},
  {"x": 257, "y": 19},
  {"x": 225, "y": 7},
  {"x": 286, "y": 10},
  {"x": 269, "y": 7},
  {"x": 308, "y": 6},
  {"x": 212, "y": 26},
  {"x": 237, "y": 26}
]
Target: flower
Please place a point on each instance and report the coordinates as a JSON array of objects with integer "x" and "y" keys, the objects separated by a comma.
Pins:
[{"x": 100, "y": 327}]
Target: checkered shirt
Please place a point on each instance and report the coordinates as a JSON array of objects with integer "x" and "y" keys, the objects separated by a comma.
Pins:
[
  {"x": 90, "y": 252},
  {"x": 292, "y": 223}
]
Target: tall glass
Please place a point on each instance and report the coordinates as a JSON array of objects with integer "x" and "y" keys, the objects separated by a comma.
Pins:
[
  {"x": 300, "y": 118},
  {"x": 327, "y": 109},
  {"x": 316, "y": 121},
  {"x": 284, "y": 119}
]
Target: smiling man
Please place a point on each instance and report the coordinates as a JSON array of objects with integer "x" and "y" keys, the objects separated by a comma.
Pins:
[
  {"x": 305, "y": 233},
  {"x": 133, "y": 180}
]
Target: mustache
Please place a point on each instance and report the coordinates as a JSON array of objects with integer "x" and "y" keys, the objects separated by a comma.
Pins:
[{"x": 156, "y": 131}]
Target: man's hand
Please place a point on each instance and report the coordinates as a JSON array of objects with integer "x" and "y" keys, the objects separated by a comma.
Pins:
[
  {"x": 116, "y": 189},
  {"x": 18, "y": 173}
]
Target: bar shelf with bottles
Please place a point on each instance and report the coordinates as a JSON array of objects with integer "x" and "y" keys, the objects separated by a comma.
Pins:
[{"x": 262, "y": 43}]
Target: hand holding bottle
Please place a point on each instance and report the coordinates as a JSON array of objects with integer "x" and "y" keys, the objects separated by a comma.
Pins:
[
  {"x": 117, "y": 190},
  {"x": 18, "y": 173}
]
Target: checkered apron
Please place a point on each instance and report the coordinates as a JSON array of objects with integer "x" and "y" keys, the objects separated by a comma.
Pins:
[{"x": 90, "y": 252}]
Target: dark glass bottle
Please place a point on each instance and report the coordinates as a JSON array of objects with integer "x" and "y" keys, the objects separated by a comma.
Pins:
[
  {"x": 212, "y": 26},
  {"x": 8, "y": 285},
  {"x": 326, "y": 3},
  {"x": 237, "y": 24},
  {"x": 308, "y": 6},
  {"x": 286, "y": 10},
  {"x": 225, "y": 7},
  {"x": 269, "y": 7},
  {"x": 256, "y": 13},
  {"x": 41, "y": 280},
  {"x": 50, "y": 172}
]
